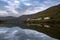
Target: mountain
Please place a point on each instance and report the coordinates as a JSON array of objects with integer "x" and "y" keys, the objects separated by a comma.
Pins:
[
  {"x": 49, "y": 12},
  {"x": 24, "y": 17},
  {"x": 52, "y": 12},
  {"x": 8, "y": 17},
  {"x": 50, "y": 26},
  {"x": 8, "y": 20}
]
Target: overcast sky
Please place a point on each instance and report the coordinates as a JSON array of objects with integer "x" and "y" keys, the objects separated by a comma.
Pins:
[{"x": 23, "y": 7}]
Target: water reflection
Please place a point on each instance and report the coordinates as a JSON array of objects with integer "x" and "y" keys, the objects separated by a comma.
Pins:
[
  {"x": 47, "y": 26},
  {"x": 40, "y": 25},
  {"x": 16, "y": 33},
  {"x": 52, "y": 30}
]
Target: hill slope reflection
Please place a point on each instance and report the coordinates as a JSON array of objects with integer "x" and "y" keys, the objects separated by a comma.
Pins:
[{"x": 17, "y": 33}]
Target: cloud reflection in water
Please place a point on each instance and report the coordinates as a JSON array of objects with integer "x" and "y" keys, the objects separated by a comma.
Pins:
[{"x": 17, "y": 33}]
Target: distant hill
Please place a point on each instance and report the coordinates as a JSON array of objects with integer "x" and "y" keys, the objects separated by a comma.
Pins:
[
  {"x": 54, "y": 21},
  {"x": 8, "y": 20},
  {"x": 52, "y": 12},
  {"x": 24, "y": 17},
  {"x": 7, "y": 17}
]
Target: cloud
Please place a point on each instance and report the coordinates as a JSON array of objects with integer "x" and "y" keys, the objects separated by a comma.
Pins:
[
  {"x": 16, "y": 1},
  {"x": 10, "y": 8},
  {"x": 3, "y": 13},
  {"x": 35, "y": 10},
  {"x": 27, "y": 4},
  {"x": 17, "y": 33},
  {"x": 40, "y": 6},
  {"x": 51, "y": 2},
  {"x": 22, "y": 7}
]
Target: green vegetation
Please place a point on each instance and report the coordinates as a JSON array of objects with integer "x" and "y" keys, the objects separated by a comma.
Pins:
[
  {"x": 49, "y": 22},
  {"x": 52, "y": 12},
  {"x": 38, "y": 21}
]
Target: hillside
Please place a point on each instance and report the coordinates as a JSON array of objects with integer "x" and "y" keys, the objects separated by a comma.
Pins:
[
  {"x": 53, "y": 13},
  {"x": 52, "y": 29},
  {"x": 47, "y": 21}
]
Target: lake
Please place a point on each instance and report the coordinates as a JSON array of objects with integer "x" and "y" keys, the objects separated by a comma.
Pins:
[
  {"x": 31, "y": 32},
  {"x": 52, "y": 30}
]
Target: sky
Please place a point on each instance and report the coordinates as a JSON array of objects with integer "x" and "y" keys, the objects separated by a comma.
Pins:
[{"x": 24, "y": 7}]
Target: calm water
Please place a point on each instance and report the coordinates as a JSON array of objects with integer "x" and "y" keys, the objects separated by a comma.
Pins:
[
  {"x": 52, "y": 30},
  {"x": 18, "y": 33}
]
